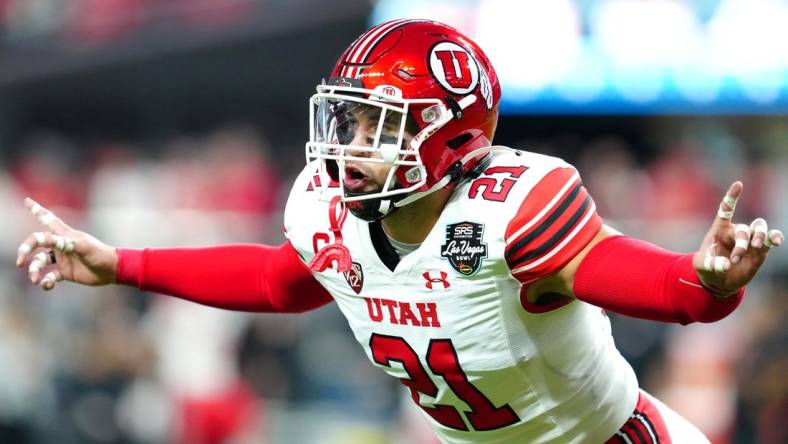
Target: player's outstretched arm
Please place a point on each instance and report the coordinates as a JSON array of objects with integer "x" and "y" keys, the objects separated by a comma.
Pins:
[
  {"x": 60, "y": 252},
  {"x": 639, "y": 279},
  {"x": 236, "y": 277}
]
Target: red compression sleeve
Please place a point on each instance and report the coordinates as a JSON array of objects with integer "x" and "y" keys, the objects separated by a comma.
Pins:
[
  {"x": 639, "y": 279},
  {"x": 241, "y": 277}
]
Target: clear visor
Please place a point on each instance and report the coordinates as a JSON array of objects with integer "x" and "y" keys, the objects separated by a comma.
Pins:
[{"x": 346, "y": 126}]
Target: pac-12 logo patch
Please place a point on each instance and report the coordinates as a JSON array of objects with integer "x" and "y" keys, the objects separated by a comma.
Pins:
[
  {"x": 355, "y": 277},
  {"x": 464, "y": 247}
]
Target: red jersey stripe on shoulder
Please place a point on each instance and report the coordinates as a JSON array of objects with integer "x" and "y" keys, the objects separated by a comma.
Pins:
[
  {"x": 555, "y": 222},
  {"x": 554, "y": 259},
  {"x": 540, "y": 200},
  {"x": 549, "y": 232}
]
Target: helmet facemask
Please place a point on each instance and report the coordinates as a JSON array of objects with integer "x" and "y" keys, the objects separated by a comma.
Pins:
[
  {"x": 336, "y": 111},
  {"x": 362, "y": 127}
]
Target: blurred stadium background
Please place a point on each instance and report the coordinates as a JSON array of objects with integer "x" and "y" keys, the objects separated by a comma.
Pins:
[{"x": 182, "y": 122}]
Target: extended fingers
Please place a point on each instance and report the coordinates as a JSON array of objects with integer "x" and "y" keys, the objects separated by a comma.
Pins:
[
  {"x": 713, "y": 263},
  {"x": 31, "y": 243},
  {"x": 728, "y": 204},
  {"x": 45, "y": 217},
  {"x": 716, "y": 264},
  {"x": 39, "y": 262},
  {"x": 759, "y": 229},
  {"x": 44, "y": 240},
  {"x": 763, "y": 239},
  {"x": 50, "y": 279},
  {"x": 774, "y": 238},
  {"x": 755, "y": 238},
  {"x": 742, "y": 235}
]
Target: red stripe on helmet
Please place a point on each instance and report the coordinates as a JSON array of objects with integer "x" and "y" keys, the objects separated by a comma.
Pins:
[{"x": 367, "y": 43}]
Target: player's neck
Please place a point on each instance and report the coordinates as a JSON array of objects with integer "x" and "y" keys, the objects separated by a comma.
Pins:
[{"x": 412, "y": 223}]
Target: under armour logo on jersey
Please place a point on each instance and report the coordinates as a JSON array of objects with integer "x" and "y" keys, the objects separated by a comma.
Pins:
[{"x": 433, "y": 278}]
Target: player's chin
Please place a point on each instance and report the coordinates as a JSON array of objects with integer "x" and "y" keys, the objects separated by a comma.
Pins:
[{"x": 367, "y": 188}]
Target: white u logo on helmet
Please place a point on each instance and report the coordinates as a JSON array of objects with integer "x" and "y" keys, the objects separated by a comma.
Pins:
[{"x": 454, "y": 68}]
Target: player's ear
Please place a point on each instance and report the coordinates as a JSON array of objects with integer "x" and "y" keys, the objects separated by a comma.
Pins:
[{"x": 411, "y": 127}]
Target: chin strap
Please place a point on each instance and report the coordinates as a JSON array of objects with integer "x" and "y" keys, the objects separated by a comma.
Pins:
[
  {"x": 413, "y": 197},
  {"x": 484, "y": 150},
  {"x": 443, "y": 114}
]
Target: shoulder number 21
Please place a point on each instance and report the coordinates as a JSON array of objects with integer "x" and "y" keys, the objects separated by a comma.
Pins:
[{"x": 496, "y": 188}]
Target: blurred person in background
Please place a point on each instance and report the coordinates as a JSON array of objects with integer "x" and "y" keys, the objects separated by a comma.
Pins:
[{"x": 499, "y": 256}]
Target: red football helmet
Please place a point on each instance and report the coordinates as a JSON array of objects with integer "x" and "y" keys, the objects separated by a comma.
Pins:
[{"x": 419, "y": 76}]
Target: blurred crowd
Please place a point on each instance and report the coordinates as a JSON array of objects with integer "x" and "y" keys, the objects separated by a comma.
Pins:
[
  {"x": 95, "y": 22},
  {"x": 112, "y": 365}
]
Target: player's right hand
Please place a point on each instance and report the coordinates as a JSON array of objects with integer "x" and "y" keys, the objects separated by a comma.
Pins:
[
  {"x": 731, "y": 254},
  {"x": 63, "y": 253}
]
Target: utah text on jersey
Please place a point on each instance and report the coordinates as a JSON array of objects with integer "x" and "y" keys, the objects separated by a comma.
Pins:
[{"x": 450, "y": 319}]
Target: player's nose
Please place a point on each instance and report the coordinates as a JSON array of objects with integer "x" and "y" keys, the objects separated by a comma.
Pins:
[{"x": 360, "y": 141}]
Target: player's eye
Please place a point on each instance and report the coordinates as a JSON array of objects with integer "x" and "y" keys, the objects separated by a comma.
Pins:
[
  {"x": 346, "y": 130},
  {"x": 391, "y": 140}
]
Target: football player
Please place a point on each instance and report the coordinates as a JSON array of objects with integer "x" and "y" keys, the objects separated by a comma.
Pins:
[{"x": 473, "y": 273}]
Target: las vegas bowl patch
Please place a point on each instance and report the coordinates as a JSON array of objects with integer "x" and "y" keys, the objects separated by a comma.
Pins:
[{"x": 464, "y": 247}]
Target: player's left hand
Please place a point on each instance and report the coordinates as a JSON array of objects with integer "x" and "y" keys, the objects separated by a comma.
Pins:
[
  {"x": 731, "y": 254},
  {"x": 63, "y": 253}
]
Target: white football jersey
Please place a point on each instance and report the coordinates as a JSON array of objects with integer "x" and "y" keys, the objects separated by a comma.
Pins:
[{"x": 451, "y": 321}]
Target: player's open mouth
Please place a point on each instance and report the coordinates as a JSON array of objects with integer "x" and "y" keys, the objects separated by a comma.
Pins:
[{"x": 354, "y": 179}]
